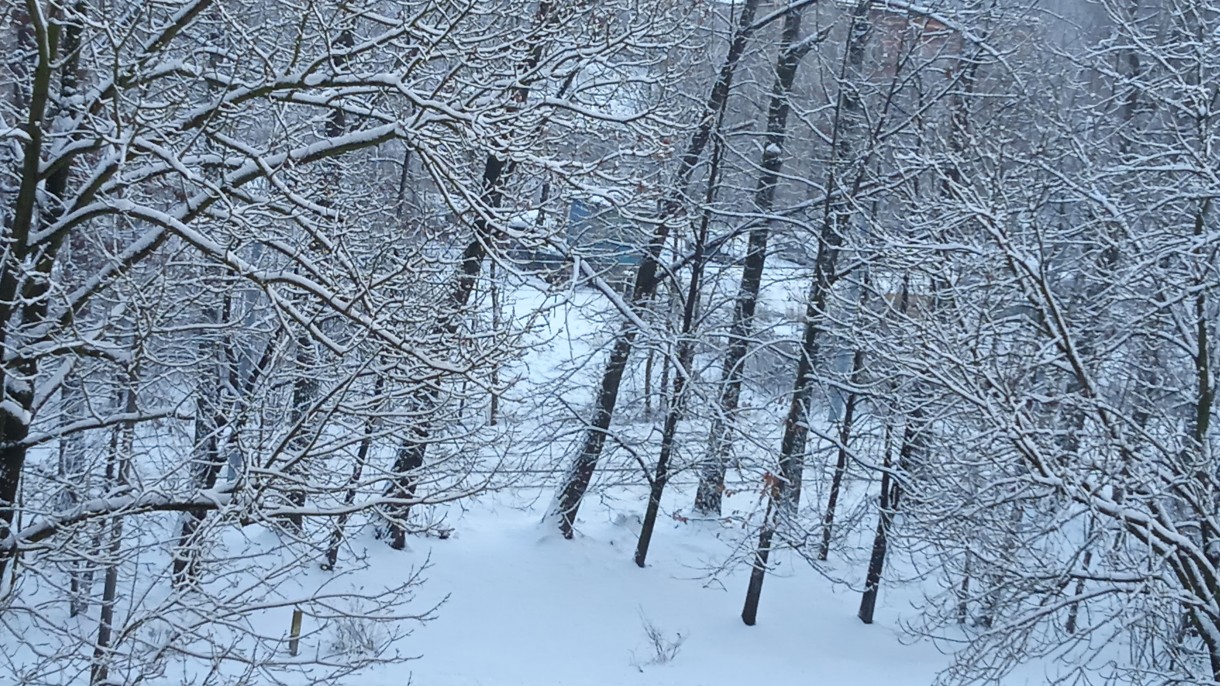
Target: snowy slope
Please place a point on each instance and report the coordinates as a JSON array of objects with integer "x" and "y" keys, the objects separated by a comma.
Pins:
[{"x": 527, "y": 608}]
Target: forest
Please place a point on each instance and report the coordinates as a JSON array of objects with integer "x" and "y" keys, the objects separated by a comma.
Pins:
[{"x": 600, "y": 342}]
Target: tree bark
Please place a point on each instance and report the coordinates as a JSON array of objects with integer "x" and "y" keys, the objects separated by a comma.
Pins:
[
  {"x": 304, "y": 393},
  {"x": 74, "y": 474},
  {"x": 581, "y": 471},
  {"x": 362, "y": 454},
  {"x": 412, "y": 453},
  {"x": 118, "y": 468},
  {"x": 207, "y": 460},
  {"x": 686, "y": 355},
  {"x": 25, "y": 277},
  {"x": 887, "y": 509},
  {"x": 845, "y": 431},
  {"x": 708, "y": 497},
  {"x": 211, "y": 418},
  {"x": 414, "y": 447},
  {"x": 786, "y": 492}
]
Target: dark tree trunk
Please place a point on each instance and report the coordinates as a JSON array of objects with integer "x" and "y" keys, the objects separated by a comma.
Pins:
[
  {"x": 876, "y": 562},
  {"x": 117, "y": 475},
  {"x": 210, "y": 421},
  {"x": 887, "y": 508},
  {"x": 667, "y": 352},
  {"x": 581, "y": 472},
  {"x": 304, "y": 394},
  {"x": 1074, "y": 610},
  {"x": 992, "y": 599},
  {"x": 207, "y": 460},
  {"x": 412, "y": 453},
  {"x": 963, "y": 593},
  {"x": 711, "y": 477},
  {"x": 845, "y": 430},
  {"x": 686, "y": 355},
  {"x": 414, "y": 448},
  {"x": 888, "y": 499},
  {"x": 648, "y": 383},
  {"x": 786, "y": 492},
  {"x": 758, "y": 568},
  {"x": 74, "y": 474},
  {"x": 207, "y": 465},
  {"x": 403, "y": 179},
  {"x": 362, "y": 455},
  {"x": 410, "y": 459},
  {"x": 493, "y": 408},
  {"x": 25, "y": 278}
]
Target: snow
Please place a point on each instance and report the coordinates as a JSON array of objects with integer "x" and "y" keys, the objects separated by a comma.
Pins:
[{"x": 526, "y": 607}]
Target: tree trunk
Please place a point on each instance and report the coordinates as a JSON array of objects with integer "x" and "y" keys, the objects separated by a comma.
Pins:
[
  {"x": 74, "y": 474},
  {"x": 211, "y": 456},
  {"x": 648, "y": 383},
  {"x": 414, "y": 448},
  {"x": 493, "y": 409},
  {"x": 845, "y": 429},
  {"x": 362, "y": 454},
  {"x": 887, "y": 508},
  {"x": 686, "y": 355},
  {"x": 304, "y": 394},
  {"x": 208, "y": 460},
  {"x": 117, "y": 475},
  {"x": 963, "y": 593},
  {"x": 1074, "y": 610},
  {"x": 758, "y": 569},
  {"x": 25, "y": 279},
  {"x": 406, "y": 466},
  {"x": 786, "y": 491},
  {"x": 711, "y": 477},
  {"x": 581, "y": 471},
  {"x": 992, "y": 599},
  {"x": 667, "y": 353},
  {"x": 413, "y": 451}
]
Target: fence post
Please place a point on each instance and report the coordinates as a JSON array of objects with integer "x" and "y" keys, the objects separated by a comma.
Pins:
[{"x": 294, "y": 637}]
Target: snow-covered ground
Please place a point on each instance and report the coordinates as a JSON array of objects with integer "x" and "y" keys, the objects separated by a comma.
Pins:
[{"x": 526, "y": 607}]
